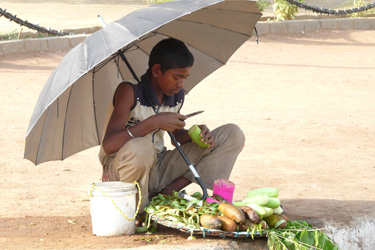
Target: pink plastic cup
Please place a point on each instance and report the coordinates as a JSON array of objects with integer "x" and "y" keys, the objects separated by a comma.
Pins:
[{"x": 224, "y": 188}]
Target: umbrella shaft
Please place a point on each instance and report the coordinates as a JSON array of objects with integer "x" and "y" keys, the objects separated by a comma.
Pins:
[{"x": 179, "y": 148}]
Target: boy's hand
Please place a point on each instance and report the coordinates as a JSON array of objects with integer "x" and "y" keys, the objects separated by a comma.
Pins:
[
  {"x": 206, "y": 134},
  {"x": 169, "y": 121}
]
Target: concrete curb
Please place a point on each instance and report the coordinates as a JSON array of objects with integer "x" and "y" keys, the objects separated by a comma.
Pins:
[
  {"x": 41, "y": 44},
  {"x": 274, "y": 27},
  {"x": 303, "y": 26}
]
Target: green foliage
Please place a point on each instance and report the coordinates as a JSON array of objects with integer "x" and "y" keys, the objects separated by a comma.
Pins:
[
  {"x": 10, "y": 36},
  {"x": 357, "y": 4},
  {"x": 284, "y": 10},
  {"x": 299, "y": 235},
  {"x": 262, "y": 5},
  {"x": 28, "y": 35}
]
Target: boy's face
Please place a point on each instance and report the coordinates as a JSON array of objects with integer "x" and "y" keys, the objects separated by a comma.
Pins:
[{"x": 171, "y": 81}]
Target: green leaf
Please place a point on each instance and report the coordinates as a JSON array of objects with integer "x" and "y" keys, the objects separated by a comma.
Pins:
[
  {"x": 197, "y": 194},
  {"x": 215, "y": 204},
  {"x": 316, "y": 237},
  {"x": 278, "y": 246},
  {"x": 161, "y": 197},
  {"x": 154, "y": 227},
  {"x": 271, "y": 241},
  {"x": 189, "y": 204},
  {"x": 306, "y": 237},
  {"x": 140, "y": 229},
  {"x": 174, "y": 204}
]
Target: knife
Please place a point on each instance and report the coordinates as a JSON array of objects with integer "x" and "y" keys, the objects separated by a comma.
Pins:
[{"x": 194, "y": 113}]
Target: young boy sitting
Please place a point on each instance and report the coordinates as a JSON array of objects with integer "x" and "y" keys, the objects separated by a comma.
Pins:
[{"x": 133, "y": 147}]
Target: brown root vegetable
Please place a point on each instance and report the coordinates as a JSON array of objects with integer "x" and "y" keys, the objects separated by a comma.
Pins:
[
  {"x": 282, "y": 225},
  {"x": 228, "y": 224},
  {"x": 210, "y": 221},
  {"x": 233, "y": 212},
  {"x": 285, "y": 217},
  {"x": 247, "y": 224},
  {"x": 275, "y": 221},
  {"x": 250, "y": 214}
]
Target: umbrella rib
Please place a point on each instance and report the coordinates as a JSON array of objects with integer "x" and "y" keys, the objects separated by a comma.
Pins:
[
  {"x": 135, "y": 42},
  {"x": 66, "y": 115},
  {"x": 216, "y": 59},
  {"x": 100, "y": 65},
  {"x": 41, "y": 139},
  {"x": 181, "y": 19},
  {"x": 156, "y": 32},
  {"x": 161, "y": 34},
  {"x": 118, "y": 67},
  {"x": 94, "y": 106},
  {"x": 222, "y": 28},
  {"x": 138, "y": 47}
]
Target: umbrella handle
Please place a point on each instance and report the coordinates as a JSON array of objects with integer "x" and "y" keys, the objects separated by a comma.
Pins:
[
  {"x": 203, "y": 187},
  {"x": 191, "y": 167}
]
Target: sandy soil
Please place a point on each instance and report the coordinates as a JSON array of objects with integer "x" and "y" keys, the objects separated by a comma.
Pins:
[
  {"x": 306, "y": 107},
  {"x": 305, "y": 104},
  {"x": 65, "y": 14}
]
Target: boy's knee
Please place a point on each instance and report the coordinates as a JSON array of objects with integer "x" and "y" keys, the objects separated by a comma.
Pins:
[
  {"x": 235, "y": 134},
  {"x": 140, "y": 152}
]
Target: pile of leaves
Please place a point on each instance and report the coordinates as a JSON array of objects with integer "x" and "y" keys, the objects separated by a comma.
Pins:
[
  {"x": 178, "y": 210},
  {"x": 296, "y": 235}
]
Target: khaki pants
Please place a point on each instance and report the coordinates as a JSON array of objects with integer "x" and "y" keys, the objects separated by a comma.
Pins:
[{"x": 137, "y": 160}]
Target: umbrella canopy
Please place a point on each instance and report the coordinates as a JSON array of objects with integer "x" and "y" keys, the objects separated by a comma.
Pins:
[{"x": 70, "y": 113}]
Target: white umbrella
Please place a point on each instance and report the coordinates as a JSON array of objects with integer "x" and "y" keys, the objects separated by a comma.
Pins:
[{"x": 70, "y": 113}]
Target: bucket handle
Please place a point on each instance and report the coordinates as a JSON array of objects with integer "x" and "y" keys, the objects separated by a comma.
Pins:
[{"x": 92, "y": 187}]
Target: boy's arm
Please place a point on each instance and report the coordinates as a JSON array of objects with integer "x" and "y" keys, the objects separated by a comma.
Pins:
[
  {"x": 181, "y": 136},
  {"x": 116, "y": 136}
]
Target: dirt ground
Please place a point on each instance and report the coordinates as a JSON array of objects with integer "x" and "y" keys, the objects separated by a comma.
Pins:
[
  {"x": 306, "y": 107},
  {"x": 65, "y": 14},
  {"x": 305, "y": 103}
]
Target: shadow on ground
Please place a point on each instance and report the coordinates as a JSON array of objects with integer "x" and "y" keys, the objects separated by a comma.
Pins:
[{"x": 349, "y": 223}]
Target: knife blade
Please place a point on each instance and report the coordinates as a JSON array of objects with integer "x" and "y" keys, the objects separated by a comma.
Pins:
[{"x": 194, "y": 113}]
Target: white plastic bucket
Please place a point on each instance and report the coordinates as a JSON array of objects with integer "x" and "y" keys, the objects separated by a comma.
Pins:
[{"x": 109, "y": 202}]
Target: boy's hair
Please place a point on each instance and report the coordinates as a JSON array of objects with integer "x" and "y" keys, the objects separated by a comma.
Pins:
[{"x": 170, "y": 53}]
